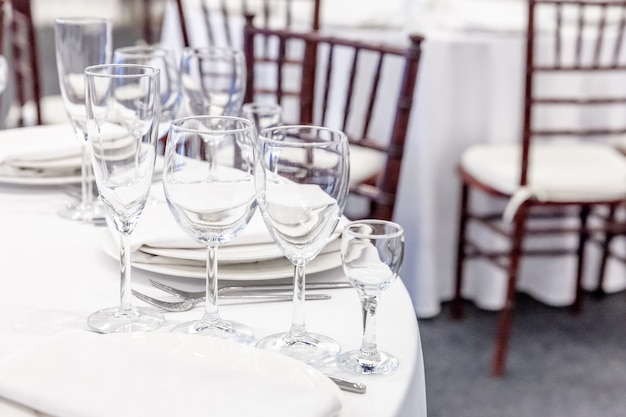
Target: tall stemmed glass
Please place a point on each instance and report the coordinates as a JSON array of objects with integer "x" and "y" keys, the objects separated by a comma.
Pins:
[
  {"x": 302, "y": 185},
  {"x": 209, "y": 187},
  {"x": 122, "y": 103},
  {"x": 371, "y": 252},
  {"x": 81, "y": 42},
  {"x": 214, "y": 81},
  {"x": 165, "y": 61}
]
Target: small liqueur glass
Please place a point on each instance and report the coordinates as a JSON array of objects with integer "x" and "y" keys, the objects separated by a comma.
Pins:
[{"x": 371, "y": 252}]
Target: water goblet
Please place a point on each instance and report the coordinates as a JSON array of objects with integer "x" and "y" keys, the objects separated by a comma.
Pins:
[
  {"x": 209, "y": 187},
  {"x": 81, "y": 42},
  {"x": 213, "y": 80},
  {"x": 122, "y": 103},
  {"x": 263, "y": 115},
  {"x": 165, "y": 61},
  {"x": 302, "y": 185},
  {"x": 371, "y": 252}
]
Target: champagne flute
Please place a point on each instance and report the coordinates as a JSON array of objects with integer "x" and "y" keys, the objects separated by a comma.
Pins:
[
  {"x": 302, "y": 185},
  {"x": 371, "y": 251},
  {"x": 81, "y": 42},
  {"x": 122, "y": 103},
  {"x": 209, "y": 187},
  {"x": 213, "y": 80},
  {"x": 165, "y": 61}
]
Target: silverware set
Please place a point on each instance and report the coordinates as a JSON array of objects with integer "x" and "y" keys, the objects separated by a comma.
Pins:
[{"x": 255, "y": 292}]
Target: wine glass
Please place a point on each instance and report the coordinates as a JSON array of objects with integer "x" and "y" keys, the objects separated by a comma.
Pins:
[
  {"x": 213, "y": 80},
  {"x": 371, "y": 251},
  {"x": 263, "y": 115},
  {"x": 302, "y": 185},
  {"x": 122, "y": 103},
  {"x": 209, "y": 186},
  {"x": 81, "y": 42},
  {"x": 165, "y": 61}
]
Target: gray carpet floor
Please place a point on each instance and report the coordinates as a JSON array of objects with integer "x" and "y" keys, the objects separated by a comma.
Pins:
[{"x": 558, "y": 364}]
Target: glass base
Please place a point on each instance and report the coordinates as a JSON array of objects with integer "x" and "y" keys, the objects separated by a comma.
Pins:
[
  {"x": 222, "y": 329},
  {"x": 381, "y": 363},
  {"x": 137, "y": 319},
  {"x": 312, "y": 349},
  {"x": 90, "y": 212}
]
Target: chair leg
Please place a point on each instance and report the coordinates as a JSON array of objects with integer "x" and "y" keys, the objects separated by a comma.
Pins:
[
  {"x": 505, "y": 320},
  {"x": 605, "y": 252},
  {"x": 457, "y": 303},
  {"x": 580, "y": 253}
]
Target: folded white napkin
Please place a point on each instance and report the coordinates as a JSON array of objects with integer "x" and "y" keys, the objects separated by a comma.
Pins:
[
  {"x": 42, "y": 150},
  {"x": 83, "y": 374},
  {"x": 158, "y": 228}
]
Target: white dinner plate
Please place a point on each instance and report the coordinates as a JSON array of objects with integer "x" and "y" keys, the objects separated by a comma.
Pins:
[
  {"x": 234, "y": 253},
  {"x": 269, "y": 269}
]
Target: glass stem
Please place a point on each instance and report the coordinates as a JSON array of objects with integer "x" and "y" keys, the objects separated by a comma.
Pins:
[
  {"x": 125, "y": 281},
  {"x": 86, "y": 171},
  {"x": 368, "y": 345},
  {"x": 298, "y": 330},
  {"x": 211, "y": 314}
]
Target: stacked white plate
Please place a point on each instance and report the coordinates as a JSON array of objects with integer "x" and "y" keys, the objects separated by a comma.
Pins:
[{"x": 160, "y": 245}]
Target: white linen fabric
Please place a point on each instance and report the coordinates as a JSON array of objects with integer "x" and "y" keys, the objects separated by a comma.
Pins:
[
  {"x": 55, "y": 152},
  {"x": 157, "y": 228},
  {"x": 84, "y": 374}
]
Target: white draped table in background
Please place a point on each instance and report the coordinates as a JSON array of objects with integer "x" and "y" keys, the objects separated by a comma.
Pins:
[{"x": 469, "y": 91}]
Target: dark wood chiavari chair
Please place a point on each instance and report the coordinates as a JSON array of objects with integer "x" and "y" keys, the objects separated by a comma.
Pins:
[
  {"x": 222, "y": 31},
  {"x": 21, "y": 52},
  {"x": 320, "y": 75},
  {"x": 541, "y": 176}
]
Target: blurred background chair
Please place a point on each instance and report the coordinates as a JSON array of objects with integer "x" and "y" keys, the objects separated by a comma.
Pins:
[
  {"x": 224, "y": 19},
  {"x": 343, "y": 86},
  {"x": 553, "y": 178},
  {"x": 27, "y": 105}
]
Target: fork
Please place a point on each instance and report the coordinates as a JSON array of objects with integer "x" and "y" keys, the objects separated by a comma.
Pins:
[
  {"x": 264, "y": 289},
  {"x": 189, "y": 303}
]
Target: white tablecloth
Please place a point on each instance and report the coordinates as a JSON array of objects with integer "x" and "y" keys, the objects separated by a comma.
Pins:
[{"x": 58, "y": 267}]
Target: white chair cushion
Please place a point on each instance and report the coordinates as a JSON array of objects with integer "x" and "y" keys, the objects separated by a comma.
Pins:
[
  {"x": 559, "y": 172},
  {"x": 53, "y": 110},
  {"x": 364, "y": 164}
]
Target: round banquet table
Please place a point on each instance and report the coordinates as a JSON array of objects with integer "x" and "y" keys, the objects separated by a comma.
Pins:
[
  {"x": 469, "y": 91},
  {"x": 54, "y": 265}
]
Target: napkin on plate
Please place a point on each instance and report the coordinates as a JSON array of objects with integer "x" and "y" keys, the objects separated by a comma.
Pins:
[
  {"x": 42, "y": 151},
  {"x": 157, "y": 228},
  {"x": 84, "y": 374}
]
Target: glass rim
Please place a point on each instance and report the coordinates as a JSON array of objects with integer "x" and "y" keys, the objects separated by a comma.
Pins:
[
  {"x": 177, "y": 124},
  {"x": 143, "y": 51},
  {"x": 336, "y": 133},
  {"x": 74, "y": 20},
  {"x": 399, "y": 230},
  {"x": 261, "y": 105},
  {"x": 92, "y": 70},
  {"x": 211, "y": 51}
]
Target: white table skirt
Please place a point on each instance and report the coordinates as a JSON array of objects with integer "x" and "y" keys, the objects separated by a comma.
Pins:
[{"x": 58, "y": 266}]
